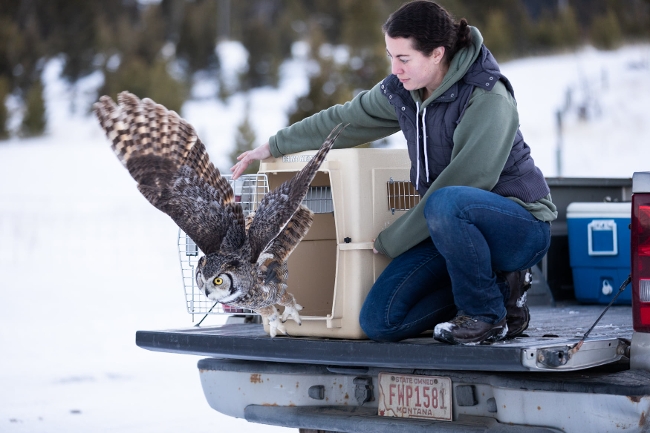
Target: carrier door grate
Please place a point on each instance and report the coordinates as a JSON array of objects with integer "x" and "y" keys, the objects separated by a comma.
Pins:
[{"x": 402, "y": 195}]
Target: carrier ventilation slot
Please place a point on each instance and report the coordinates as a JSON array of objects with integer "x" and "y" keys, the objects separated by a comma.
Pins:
[
  {"x": 319, "y": 199},
  {"x": 402, "y": 195}
]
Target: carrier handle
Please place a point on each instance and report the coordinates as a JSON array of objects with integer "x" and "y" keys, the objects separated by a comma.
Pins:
[{"x": 357, "y": 246}]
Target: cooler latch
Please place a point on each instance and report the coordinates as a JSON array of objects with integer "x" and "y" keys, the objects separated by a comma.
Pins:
[{"x": 601, "y": 237}]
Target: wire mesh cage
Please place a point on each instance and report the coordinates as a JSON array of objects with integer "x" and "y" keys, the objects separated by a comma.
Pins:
[{"x": 249, "y": 190}]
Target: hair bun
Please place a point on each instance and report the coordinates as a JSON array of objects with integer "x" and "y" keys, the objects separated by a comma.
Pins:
[{"x": 463, "y": 36}]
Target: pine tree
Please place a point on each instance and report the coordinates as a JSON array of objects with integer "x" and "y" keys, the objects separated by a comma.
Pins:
[
  {"x": 4, "y": 92},
  {"x": 34, "y": 118},
  {"x": 606, "y": 32},
  {"x": 498, "y": 36},
  {"x": 569, "y": 27}
]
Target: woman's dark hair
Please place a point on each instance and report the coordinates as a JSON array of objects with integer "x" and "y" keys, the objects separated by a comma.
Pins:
[{"x": 430, "y": 26}]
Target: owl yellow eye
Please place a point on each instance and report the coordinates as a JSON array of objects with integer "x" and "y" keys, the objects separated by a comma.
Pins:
[{"x": 218, "y": 281}]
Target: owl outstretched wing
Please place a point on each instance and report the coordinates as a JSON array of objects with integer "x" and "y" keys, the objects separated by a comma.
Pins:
[
  {"x": 272, "y": 261},
  {"x": 278, "y": 207},
  {"x": 163, "y": 153}
]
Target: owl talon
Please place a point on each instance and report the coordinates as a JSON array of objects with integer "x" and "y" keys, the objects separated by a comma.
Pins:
[
  {"x": 276, "y": 325},
  {"x": 292, "y": 312}
]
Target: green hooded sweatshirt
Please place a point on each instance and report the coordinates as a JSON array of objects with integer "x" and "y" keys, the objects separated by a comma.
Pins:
[{"x": 482, "y": 141}]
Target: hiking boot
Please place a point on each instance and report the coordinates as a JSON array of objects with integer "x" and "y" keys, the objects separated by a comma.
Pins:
[
  {"x": 518, "y": 315},
  {"x": 467, "y": 330}
]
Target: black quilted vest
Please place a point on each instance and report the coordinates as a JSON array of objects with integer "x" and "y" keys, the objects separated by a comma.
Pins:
[{"x": 519, "y": 178}]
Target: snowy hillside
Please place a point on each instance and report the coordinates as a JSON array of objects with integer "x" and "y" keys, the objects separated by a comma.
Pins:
[
  {"x": 85, "y": 261},
  {"x": 611, "y": 88}
]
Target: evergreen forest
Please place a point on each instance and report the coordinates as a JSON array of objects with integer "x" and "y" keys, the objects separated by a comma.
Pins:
[{"x": 157, "y": 49}]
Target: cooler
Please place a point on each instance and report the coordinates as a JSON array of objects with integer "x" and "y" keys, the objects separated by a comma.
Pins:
[{"x": 599, "y": 250}]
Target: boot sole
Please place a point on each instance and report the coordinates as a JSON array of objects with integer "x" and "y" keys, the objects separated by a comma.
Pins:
[{"x": 494, "y": 334}]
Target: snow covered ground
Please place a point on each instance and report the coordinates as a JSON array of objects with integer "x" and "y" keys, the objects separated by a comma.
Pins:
[{"x": 85, "y": 261}]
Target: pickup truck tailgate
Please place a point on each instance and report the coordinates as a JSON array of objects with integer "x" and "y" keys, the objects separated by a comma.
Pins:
[{"x": 546, "y": 346}]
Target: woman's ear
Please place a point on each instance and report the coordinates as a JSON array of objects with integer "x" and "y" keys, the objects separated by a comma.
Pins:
[{"x": 438, "y": 54}]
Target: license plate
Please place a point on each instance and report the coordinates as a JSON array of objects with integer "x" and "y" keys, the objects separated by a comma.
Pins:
[{"x": 411, "y": 396}]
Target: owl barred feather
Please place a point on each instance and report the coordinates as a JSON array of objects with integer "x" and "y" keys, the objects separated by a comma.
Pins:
[{"x": 245, "y": 259}]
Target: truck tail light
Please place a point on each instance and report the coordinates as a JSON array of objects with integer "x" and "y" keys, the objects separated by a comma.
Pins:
[{"x": 641, "y": 261}]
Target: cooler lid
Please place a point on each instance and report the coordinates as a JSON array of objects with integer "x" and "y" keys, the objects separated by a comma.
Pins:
[{"x": 599, "y": 210}]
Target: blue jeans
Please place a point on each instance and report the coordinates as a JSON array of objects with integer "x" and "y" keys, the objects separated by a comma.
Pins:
[{"x": 474, "y": 233}]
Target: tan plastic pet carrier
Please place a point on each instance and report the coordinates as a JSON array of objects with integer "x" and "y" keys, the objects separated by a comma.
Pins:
[{"x": 355, "y": 195}]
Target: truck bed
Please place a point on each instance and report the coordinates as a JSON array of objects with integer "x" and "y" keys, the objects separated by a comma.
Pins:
[
  {"x": 324, "y": 384},
  {"x": 545, "y": 346}
]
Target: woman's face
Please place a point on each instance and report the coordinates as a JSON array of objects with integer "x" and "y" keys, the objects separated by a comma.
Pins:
[{"x": 414, "y": 69}]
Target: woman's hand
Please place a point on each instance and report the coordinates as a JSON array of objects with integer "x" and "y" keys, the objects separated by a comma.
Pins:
[{"x": 245, "y": 159}]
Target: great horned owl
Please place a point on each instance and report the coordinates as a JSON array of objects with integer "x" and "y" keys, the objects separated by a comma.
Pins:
[{"x": 245, "y": 259}]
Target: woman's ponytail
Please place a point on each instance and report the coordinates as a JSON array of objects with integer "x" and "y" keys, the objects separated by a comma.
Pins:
[{"x": 463, "y": 36}]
